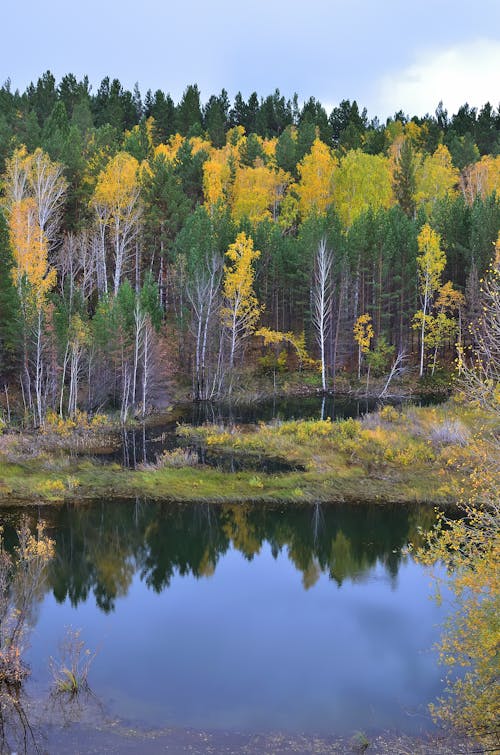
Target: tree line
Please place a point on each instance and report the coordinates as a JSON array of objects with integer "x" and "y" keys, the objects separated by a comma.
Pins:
[{"x": 142, "y": 238}]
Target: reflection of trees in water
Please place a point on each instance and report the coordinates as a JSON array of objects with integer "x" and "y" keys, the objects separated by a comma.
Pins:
[
  {"x": 17, "y": 734},
  {"x": 100, "y": 547},
  {"x": 24, "y": 558}
]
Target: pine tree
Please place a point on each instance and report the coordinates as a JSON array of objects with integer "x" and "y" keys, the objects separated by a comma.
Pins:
[
  {"x": 9, "y": 305},
  {"x": 404, "y": 180}
]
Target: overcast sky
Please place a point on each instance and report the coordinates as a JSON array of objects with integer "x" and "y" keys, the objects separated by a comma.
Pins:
[{"x": 386, "y": 54}]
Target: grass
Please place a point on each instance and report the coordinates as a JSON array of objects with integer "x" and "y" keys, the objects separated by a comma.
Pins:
[{"x": 421, "y": 454}]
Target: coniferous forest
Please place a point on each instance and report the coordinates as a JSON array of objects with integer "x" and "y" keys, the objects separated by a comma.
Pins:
[{"x": 144, "y": 241}]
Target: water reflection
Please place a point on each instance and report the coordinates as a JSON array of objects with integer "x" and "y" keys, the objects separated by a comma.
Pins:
[
  {"x": 17, "y": 732},
  {"x": 232, "y": 616},
  {"x": 99, "y": 548},
  {"x": 144, "y": 444}
]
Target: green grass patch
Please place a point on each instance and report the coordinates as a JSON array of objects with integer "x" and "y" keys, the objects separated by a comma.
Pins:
[{"x": 419, "y": 454}]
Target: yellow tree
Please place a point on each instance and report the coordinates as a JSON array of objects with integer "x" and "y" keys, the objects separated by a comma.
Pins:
[
  {"x": 257, "y": 192},
  {"x": 278, "y": 340},
  {"x": 34, "y": 278},
  {"x": 36, "y": 176},
  {"x": 30, "y": 251},
  {"x": 363, "y": 334},
  {"x": 216, "y": 178},
  {"x": 316, "y": 174},
  {"x": 241, "y": 309},
  {"x": 443, "y": 323},
  {"x": 431, "y": 261},
  {"x": 220, "y": 168},
  {"x": 470, "y": 547},
  {"x": 481, "y": 178},
  {"x": 118, "y": 209},
  {"x": 169, "y": 151},
  {"x": 362, "y": 182},
  {"x": 436, "y": 178}
]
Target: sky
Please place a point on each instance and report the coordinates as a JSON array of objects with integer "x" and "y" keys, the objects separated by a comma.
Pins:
[{"x": 389, "y": 55}]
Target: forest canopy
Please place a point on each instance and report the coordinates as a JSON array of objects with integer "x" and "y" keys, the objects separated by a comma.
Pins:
[{"x": 142, "y": 239}]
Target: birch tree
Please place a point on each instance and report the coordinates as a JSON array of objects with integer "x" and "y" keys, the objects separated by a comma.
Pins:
[
  {"x": 322, "y": 302},
  {"x": 34, "y": 278},
  {"x": 241, "y": 309},
  {"x": 118, "y": 209},
  {"x": 36, "y": 176},
  {"x": 203, "y": 295},
  {"x": 431, "y": 262}
]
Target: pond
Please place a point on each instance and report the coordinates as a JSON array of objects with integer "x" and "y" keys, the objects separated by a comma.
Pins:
[
  {"x": 145, "y": 443},
  {"x": 306, "y": 620}
]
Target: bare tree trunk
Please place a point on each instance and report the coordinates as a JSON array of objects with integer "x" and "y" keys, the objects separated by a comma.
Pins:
[
  {"x": 145, "y": 363},
  {"x": 395, "y": 369},
  {"x": 321, "y": 301},
  {"x": 63, "y": 379}
]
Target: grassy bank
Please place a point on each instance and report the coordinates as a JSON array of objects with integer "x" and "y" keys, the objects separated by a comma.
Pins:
[{"x": 421, "y": 454}]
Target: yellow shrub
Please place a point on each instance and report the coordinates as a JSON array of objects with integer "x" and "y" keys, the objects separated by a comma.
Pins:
[
  {"x": 255, "y": 482},
  {"x": 51, "y": 488},
  {"x": 389, "y": 414}
]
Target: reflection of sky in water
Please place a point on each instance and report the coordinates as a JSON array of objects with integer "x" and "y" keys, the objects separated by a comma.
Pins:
[{"x": 250, "y": 648}]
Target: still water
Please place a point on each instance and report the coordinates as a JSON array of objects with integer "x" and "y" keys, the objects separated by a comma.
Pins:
[
  {"x": 144, "y": 444},
  {"x": 310, "y": 619}
]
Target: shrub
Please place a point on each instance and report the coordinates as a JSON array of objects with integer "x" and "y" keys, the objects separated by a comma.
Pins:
[
  {"x": 70, "y": 673},
  {"x": 178, "y": 457},
  {"x": 51, "y": 488},
  {"x": 389, "y": 414},
  {"x": 22, "y": 573},
  {"x": 450, "y": 432}
]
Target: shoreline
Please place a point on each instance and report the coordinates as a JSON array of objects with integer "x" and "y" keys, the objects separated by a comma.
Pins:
[{"x": 414, "y": 456}]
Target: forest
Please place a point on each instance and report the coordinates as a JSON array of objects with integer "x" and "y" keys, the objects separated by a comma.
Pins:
[
  {"x": 153, "y": 251},
  {"x": 145, "y": 243}
]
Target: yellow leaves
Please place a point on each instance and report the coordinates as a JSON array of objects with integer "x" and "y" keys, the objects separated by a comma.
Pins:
[
  {"x": 235, "y": 135},
  {"x": 431, "y": 258},
  {"x": 242, "y": 309},
  {"x": 276, "y": 337},
  {"x": 397, "y": 133},
  {"x": 363, "y": 332},
  {"x": 257, "y": 192},
  {"x": 254, "y": 192},
  {"x": 169, "y": 151},
  {"x": 218, "y": 171},
  {"x": 269, "y": 148},
  {"x": 117, "y": 184},
  {"x": 436, "y": 178},
  {"x": 30, "y": 250},
  {"x": 449, "y": 299},
  {"x": 135, "y": 135},
  {"x": 362, "y": 182},
  {"x": 316, "y": 171},
  {"x": 78, "y": 334},
  {"x": 481, "y": 178},
  {"x": 216, "y": 178},
  {"x": 200, "y": 145}
]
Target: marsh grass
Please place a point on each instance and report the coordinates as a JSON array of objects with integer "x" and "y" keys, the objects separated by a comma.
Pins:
[
  {"x": 70, "y": 672},
  {"x": 417, "y": 454}
]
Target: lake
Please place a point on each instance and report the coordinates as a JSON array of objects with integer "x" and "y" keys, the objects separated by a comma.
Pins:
[{"x": 305, "y": 620}]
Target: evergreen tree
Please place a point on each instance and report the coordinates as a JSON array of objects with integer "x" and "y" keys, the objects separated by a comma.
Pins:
[
  {"x": 9, "y": 305},
  {"x": 166, "y": 206},
  {"x": 163, "y": 112},
  {"x": 404, "y": 181},
  {"x": 215, "y": 118},
  {"x": 286, "y": 150},
  {"x": 188, "y": 113},
  {"x": 43, "y": 97}
]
